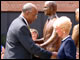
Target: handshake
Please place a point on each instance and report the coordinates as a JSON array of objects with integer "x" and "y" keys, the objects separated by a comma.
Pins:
[{"x": 54, "y": 55}]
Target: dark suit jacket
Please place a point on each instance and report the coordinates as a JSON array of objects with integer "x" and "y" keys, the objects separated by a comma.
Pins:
[
  {"x": 67, "y": 49},
  {"x": 19, "y": 43}
]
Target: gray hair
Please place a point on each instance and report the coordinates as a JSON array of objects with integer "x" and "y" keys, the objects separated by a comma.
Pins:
[{"x": 28, "y": 7}]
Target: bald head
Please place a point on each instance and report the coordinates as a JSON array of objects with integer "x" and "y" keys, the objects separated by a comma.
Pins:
[
  {"x": 77, "y": 14},
  {"x": 28, "y": 7},
  {"x": 50, "y": 7}
]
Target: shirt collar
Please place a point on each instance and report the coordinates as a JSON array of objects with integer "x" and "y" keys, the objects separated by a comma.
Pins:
[
  {"x": 24, "y": 19},
  {"x": 65, "y": 38}
]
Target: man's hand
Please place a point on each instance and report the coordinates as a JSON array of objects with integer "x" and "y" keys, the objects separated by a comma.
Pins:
[
  {"x": 38, "y": 45},
  {"x": 54, "y": 55}
]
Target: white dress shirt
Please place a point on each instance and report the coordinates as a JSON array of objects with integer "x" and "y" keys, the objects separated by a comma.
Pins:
[{"x": 25, "y": 21}]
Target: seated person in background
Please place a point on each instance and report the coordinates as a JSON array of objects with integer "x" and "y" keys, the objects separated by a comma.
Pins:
[
  {"x": 67, "y": 49},
  {"x": 34, "y": 33},
  {"x": 75, "y": 33},
  {"x": 2, "y": 51}
]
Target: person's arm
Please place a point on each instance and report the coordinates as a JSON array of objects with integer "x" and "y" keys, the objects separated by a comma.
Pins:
[
  {"x": 70, "y": 50},
  {"x": 39, "y": 41},
  {"x": 29, "y": 44},
  {"x": 53, "y": 36}
]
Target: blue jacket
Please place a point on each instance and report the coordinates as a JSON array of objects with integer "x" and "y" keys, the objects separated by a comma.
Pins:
[{"x": 67, "y": 49}]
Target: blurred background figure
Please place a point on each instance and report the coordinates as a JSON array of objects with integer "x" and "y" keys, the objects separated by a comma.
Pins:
[
  {"x": 34, "y": 33},
  {"x": 75, "y": 33},
  {"x": 2, "y": 51}
]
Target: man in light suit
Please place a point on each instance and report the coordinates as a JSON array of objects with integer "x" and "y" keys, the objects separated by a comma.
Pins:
[
  {"x": 67, "y": 49},
  {"x": 19, "y": 43}
]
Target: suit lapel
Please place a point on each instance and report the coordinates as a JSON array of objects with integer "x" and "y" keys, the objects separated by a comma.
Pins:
[{"x": 26, "y": 25}]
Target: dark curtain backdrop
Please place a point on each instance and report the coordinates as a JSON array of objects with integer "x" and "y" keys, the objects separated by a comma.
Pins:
[{"x": 8, "y": 17}]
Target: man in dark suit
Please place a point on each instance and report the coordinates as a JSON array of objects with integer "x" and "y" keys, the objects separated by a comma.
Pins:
[
  {"x": 19, "y": 43},
  {"x": 67, "y": 49}
]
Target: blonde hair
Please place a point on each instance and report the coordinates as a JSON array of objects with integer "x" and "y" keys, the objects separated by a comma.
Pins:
[
  {"x": 63, "y": 23},
  {"x": 28, "y": 7},
  {"x": 47, "y": 2}
]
